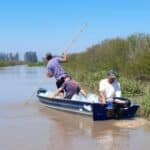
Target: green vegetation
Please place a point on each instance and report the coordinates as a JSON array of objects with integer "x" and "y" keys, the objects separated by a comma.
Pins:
[
  {"x": 30, "y": 64},
  {"x": 9, "y": 63},
  {"x": 9, "y": 56},
  {"x": 30, "y": 57},
  {"x": 130, "y": 57},
  {"x": 145, "y": 103},
  {"x": 9, "y": 59}
]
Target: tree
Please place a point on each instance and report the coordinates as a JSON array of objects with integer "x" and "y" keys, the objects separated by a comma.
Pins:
[
  {"x": 30, "y": 57},
  {"x": 9, "y": 56}
]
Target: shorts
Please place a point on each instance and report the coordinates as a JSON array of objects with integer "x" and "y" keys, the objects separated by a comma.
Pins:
[{"x": 60, "y": 82}]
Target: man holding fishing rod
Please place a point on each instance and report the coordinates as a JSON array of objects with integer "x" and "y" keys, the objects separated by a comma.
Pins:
[
  {"x": 63, "y": 80},
  {"x": 54, "y": 63},
  {"x": 55, "y": 69}
]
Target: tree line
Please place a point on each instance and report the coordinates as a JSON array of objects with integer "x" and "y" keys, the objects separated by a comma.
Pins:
[
  {"x": 29, "y": 57},
  {"x": 9, "y": 57}
]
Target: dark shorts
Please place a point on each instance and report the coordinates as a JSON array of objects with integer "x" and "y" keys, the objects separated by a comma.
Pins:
[{"x": 60, "y": 82}]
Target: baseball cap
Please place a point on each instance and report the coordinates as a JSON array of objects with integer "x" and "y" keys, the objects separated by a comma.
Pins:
[{"x": 111, "y": 73}]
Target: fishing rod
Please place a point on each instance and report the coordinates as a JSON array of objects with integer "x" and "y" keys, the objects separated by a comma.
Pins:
[
  {"x": 76, "y": 37},
  {"x": 74, "y": 40},
  {"x": 70, "y": 45},
  {"x": 34, "y": 91}
]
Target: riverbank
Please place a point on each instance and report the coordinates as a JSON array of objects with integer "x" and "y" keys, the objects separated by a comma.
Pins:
[
  {"x": 10, "y": 63},
  {"x": 38, "y": 64},
  {"x": 13, "y": 63},
  {"x": 138, "y": 91},
  {"x": 130, "y": 57}
]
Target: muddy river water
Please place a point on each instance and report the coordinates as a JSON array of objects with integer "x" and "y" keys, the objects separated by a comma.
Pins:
[{"x": 32, "y": 126}]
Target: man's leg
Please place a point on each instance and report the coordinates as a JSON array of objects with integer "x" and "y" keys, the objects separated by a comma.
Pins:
[{"x": 59, "y": 84}]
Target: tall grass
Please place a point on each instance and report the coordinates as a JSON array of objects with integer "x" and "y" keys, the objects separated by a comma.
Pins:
[
  {"x": 145, "y": 103},
  {"x": 130, "y": 57}
]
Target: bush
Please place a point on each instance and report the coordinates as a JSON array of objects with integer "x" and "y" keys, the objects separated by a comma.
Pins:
[{"x": 130, "y": 87}]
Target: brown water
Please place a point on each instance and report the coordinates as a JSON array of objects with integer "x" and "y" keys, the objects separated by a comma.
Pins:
[{"x": 35, "y": 127}]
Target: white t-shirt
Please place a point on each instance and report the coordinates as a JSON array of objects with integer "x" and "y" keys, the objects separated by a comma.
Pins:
[{"x": 110, "y": 90}]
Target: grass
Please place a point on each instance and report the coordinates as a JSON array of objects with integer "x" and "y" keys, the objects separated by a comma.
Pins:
[
  {"x": 145, "y": 103},
  {"x": 130, "y": 57},
  {"x": 31, "y": 64},
  {"x": 137, "y": 90}
]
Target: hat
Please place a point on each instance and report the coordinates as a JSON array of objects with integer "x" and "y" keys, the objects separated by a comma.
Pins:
[{"x": 111, "y": 73}]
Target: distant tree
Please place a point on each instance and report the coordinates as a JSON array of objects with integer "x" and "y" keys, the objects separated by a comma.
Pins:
[
  {"x": 9, "y": 56},
  {"x": 16, "y": 57},
  {"x": 30, "y": 56}
]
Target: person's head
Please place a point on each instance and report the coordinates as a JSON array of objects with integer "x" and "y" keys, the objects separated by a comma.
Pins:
[
  {"x": 67, "y": 77},
  {"x": 49, "y": 56},
  {"x": 111, "y": 75}
]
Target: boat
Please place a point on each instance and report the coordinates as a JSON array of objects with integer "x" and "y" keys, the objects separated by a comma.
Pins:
[{"x": 96, "y": 111}]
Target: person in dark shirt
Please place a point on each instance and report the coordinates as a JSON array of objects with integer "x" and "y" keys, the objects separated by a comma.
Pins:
[{"x": 70, "y": 87}]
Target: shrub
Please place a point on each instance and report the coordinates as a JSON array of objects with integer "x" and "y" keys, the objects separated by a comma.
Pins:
[{"x": 130, "y": 87}]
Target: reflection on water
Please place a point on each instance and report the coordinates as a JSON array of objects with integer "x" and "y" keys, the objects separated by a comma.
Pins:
[{"x": 34, "y": 126}]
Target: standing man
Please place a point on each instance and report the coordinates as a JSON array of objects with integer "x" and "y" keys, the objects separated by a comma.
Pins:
[{"x": 55, "y": 69}]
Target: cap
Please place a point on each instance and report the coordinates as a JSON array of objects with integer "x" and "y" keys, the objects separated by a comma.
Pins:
[{"x": 111, "y": 73}]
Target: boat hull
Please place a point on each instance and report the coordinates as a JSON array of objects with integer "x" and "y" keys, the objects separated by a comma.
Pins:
[{"x": 96, "y": 111}]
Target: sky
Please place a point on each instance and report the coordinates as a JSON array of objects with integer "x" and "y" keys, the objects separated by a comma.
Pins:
[{"x": 50, "y": 25}]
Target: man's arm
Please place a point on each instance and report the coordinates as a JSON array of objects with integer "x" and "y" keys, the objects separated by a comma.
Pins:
[
  {"x": 83, "y": 93},
  {"x": 102, "y": 97},
  {"x": 101, "y": 92},
  {"x": 56, "y": 93}
]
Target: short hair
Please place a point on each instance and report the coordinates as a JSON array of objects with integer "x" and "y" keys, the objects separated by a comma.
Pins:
[
  {"x": 49, "y": 56},
  {"x": 67, "y": 76}
]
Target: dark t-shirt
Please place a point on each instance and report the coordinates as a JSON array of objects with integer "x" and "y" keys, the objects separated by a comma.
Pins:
[{"x": 70, "y": 87}]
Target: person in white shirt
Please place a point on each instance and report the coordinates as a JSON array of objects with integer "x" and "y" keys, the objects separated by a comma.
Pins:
[{"x": 109, "y": 88}]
